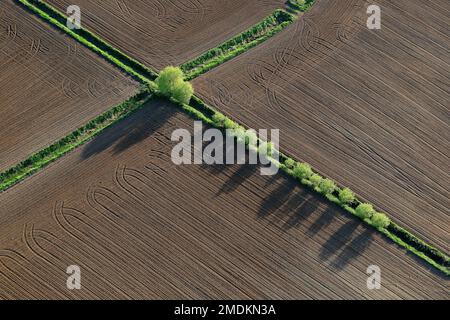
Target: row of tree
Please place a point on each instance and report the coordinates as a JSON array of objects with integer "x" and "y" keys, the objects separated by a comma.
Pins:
[{"x": 346, "y": 197}]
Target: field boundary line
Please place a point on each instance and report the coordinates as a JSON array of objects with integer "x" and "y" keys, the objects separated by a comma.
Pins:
[
  {"x": 393, "y": 231},
  {"x": 239, "y": 44},
  {"x": 57, "y": 19},
  {"x": 44, "y": 157},
  {"x": 200, "y": 110}
]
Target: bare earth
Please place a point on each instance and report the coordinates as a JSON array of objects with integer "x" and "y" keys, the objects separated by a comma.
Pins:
[
  {"x": 169, "y": 32},
  {"x": 141, "y": 227},
  {"x": 368, "y": 108},
  {"x": 49, "y": 85}
]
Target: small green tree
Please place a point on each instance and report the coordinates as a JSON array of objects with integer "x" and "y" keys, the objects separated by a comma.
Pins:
[
  {"x": 303, "y": 171},
  {"x": 230, "y": 124},
  {"x": 365, "y": 210},
  {"x": 266, "y": 148},
  {"x": 289, "y": 163},
  {"x": 170, "y": 83},
  {"x": 327, "y": 186},
  {"x": 168, "y": 78},
  {"x": 346, "y": 196},
  {"x": 316, "y": 180},
  {"x": 380, "y": 220},
  {"x": 183, "y": 92},
  {"x": 219, "y": 119}
]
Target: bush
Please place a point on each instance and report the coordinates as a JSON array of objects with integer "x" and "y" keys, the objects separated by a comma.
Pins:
[
  {"x": 380, "y": 220},
  {"x": 315, "y": 180},
  {"x": 302, "y": 171},
  {"x": 183, "y": 92},
  {"x": 364, "y": 210},
  {"x": 168, "y": 79},
  {"x": 219, "y": 119},
  {"x": 289, "y": 163},
  {"x": 346, "y": 196},
  {"x": 266, "y": 148},
  {"x": 230, "y": 124},
  {"x": 301, "y": 5},
  {"x": 170, "y": 83},
  {"x": 327, "y": 186}
]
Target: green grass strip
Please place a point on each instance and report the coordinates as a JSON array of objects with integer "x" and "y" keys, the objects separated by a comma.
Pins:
[
  {"x": 296, "y": 6},
  {"x": 78, "y": 137},
  {"x": 239, "y": 44}
]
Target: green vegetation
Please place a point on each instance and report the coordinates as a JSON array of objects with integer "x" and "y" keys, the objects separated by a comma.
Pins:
[
  {"x": 237, "y": 45},
  {"x": 364, "y": 210},
  {"x": 380, "y": 220},
  {"x": 170, "y": 83},
  {"x": 296, "y": 6},
  {"x": 44, "y": 157},
  {"x": 290, "y": 163},
  {"x": 327, "y": 186},
  {"x": 346, "y": 196},
  {"x": 347, "y": 200},
  {"x": 302, "y": 171},
  {"x": 315, "y": 180},
  {"x": 266, "y": 148}
]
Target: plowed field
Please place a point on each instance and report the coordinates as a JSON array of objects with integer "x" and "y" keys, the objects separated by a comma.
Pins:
[
  {"x": 368, "y": 108},
  {"x": 49, "y": 85},
  {"x": 169, "y": 32},
  {"x": 140, "y": 227}
]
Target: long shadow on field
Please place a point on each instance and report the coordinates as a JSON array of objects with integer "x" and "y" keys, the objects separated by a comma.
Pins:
[
  {"x": 243, "y": 173},
  {"x": 339, "y": 239},
  {"x": 325, "y": 219},
  {"x": 278, "y": 197},
  {"x": 354, "y": 249},
  {"x": 306, "y": 209},
  {"x": 287, "y": 206},
  {"x": 132, "y": 130}
]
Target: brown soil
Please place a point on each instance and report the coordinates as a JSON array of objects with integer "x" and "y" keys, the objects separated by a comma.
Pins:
[
  {"x": 49, "y": 85},
  {"x": 169, "y": 32},
  {"x": 368, "y": 108},
  {"x": 141, "y": 227}
]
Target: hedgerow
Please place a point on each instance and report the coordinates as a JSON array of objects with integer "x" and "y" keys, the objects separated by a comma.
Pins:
[
  {"x": 299, "y": 5},
  {"x": 265, "y": 29},
  {"x": 346, "y": 196}
]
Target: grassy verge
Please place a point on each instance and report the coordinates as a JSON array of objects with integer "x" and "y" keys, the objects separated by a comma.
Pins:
[
  {"x": 91, "y": 41},
  {"x": 46, "y": 156},
  {"x": 201, "y": 111},
  {"x": 239, "y": 44},
  {"x": 297, "y": 6}
]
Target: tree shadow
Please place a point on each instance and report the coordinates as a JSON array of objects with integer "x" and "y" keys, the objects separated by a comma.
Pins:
[
  {"x": 354, "y": 249},
  {"x": 276, "y": 198},
  {"x": 130, "y": 131},
  {"x": 339, "y": 239},
  {"x": 238, "y": 177},
  {"x": 307, "y": 207},
  {"x": 325, "y": 219}
]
